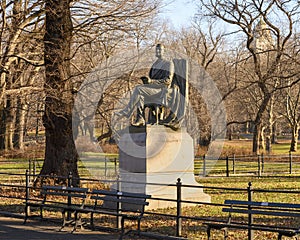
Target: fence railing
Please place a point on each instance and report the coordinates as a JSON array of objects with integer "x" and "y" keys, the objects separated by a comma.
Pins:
[
  {"x": 108, "y": 167},
  {"x": 183, "y": 220},
  {"x": 248, "y": 165}
]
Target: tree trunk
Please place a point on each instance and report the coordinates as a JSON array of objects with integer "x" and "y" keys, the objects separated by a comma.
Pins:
[
  {"x": 274, "y": 133},
  {"x": 2, "y": 127},
  {"x": 256, "y": 137},
  {"x": 10, "y": 123},
  {"x": 269, "y": 144},
  {"x": 22, "y": 108},
  {"x": 262, "y": 140},
  {"x": 270, "y": 126},
  {"x": 257, "y": 121},
  {"x": 60, "y": 156},
  {"x": 294, "y": 141}
]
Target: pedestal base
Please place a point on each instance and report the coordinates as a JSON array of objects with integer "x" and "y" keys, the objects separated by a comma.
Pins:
[{"x": 153, "y": 158}]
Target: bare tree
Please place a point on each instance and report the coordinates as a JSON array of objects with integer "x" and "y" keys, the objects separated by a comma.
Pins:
[
  {"x": 290, "y": 97},
  {"x": 60, "y": 155},
  {"x": 20, "y": 25},
  {"x": 202, "y": 42},
  {"x": 85, "y": 25},
  {"x": 112, "y": 28},
  {"x": 244, "y": 15}
]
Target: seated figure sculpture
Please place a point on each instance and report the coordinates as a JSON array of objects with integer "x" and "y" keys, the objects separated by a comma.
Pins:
[{"x": 158, "y": 90}]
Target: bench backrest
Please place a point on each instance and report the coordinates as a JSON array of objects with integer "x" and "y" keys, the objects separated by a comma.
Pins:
[
  {"x": 262, "y": 204},
  {"x": 120, "y": 201},
  {"x": 69, "y": 195},
  {"x": 262, "y": 208}
]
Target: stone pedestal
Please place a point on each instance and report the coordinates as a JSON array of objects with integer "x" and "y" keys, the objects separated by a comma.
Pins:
[{"x": 158, "y": 155}]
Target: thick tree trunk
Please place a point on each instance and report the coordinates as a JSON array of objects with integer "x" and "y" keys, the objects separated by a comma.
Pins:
[
  {"x": 257, "y": 121},
  {"x": 60, "y": 156}
]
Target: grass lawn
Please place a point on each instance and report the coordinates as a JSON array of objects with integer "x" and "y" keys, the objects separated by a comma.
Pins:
[{"x": 244, "y": 147}]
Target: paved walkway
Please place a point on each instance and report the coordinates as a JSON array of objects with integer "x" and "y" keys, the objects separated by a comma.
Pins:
[{"x": 14, "y": 229}]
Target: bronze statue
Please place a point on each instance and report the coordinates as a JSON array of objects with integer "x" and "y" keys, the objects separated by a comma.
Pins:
[{"x": 159, "y": 90}]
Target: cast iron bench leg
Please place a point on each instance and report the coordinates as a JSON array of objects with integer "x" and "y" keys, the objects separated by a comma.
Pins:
[
  {"x": 139, "y": 226},
  {"x": 92, "y": 221},
  {"x": 122, "y": 228},
  {"x": 208, "y": 232},
  {"x": 225, "y": 233}
]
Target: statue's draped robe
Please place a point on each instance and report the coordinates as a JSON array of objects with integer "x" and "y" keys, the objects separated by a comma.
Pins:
[{"x": 161, "y": 91}]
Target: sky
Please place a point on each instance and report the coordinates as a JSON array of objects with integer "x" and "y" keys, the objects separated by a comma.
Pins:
[{"x": 179, "y": 12}]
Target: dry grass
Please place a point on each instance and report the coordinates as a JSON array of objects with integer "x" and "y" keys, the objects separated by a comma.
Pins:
[{"x": 166, "y": 225}]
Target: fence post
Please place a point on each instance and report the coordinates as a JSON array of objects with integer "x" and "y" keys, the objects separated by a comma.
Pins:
[
  {"x": 178, "y": 216},
  {"x": 204, "y": 166},
  {"x": 262, "y": 162},
  {"x": 227, "y": 166},
  {"x": 291, "y": 162},
  {"x": 29, "y": 168},
  {"x": 69, "y": 197},
  {"x": 105, "y": 167},
  {"x": 119, "y": 206},
  {"x": 258, "y": 165},
  {"x": 116, "y": 167},
  {"x": 250, "y": 218},
  {"x": 34, "y": 168},
  {"x": 70, "y": 177},
  {"x": 27, "y": 209},
  {"x": 233, "y": 164}
]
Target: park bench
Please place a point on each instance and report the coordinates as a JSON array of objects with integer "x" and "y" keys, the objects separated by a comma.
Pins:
[
  {"x": 252, "y": 208},
  {"x": 58, "y": 198},
  {"x": 122, "y": 205}
]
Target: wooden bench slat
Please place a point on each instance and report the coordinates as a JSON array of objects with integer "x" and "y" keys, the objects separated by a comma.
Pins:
[
  {"x": 64, "y": 188},
  {"x": 124, "y": 194},
  {"x": 65, "y": 194},
  {"x": 262, "y": 204},
  {"x": 253, "y": 227},
  {"x": 120, "y": 200},
  {"x": 262, "y": 212}
]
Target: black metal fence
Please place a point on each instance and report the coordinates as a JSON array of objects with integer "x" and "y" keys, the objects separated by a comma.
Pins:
[
  {"x": 184, "y": 220},
  {"x": 250, "y": 165},
  {"x": 259, "y": 165}
]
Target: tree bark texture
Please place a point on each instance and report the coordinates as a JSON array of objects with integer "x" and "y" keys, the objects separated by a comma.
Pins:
[
  {"x": 294, "y": 141},
  {"x": 21, "y": 111},
  {"x": 60, "y": 156}
]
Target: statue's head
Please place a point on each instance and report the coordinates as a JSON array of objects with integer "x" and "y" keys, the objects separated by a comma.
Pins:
[{"x": 159, "y": 50}]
